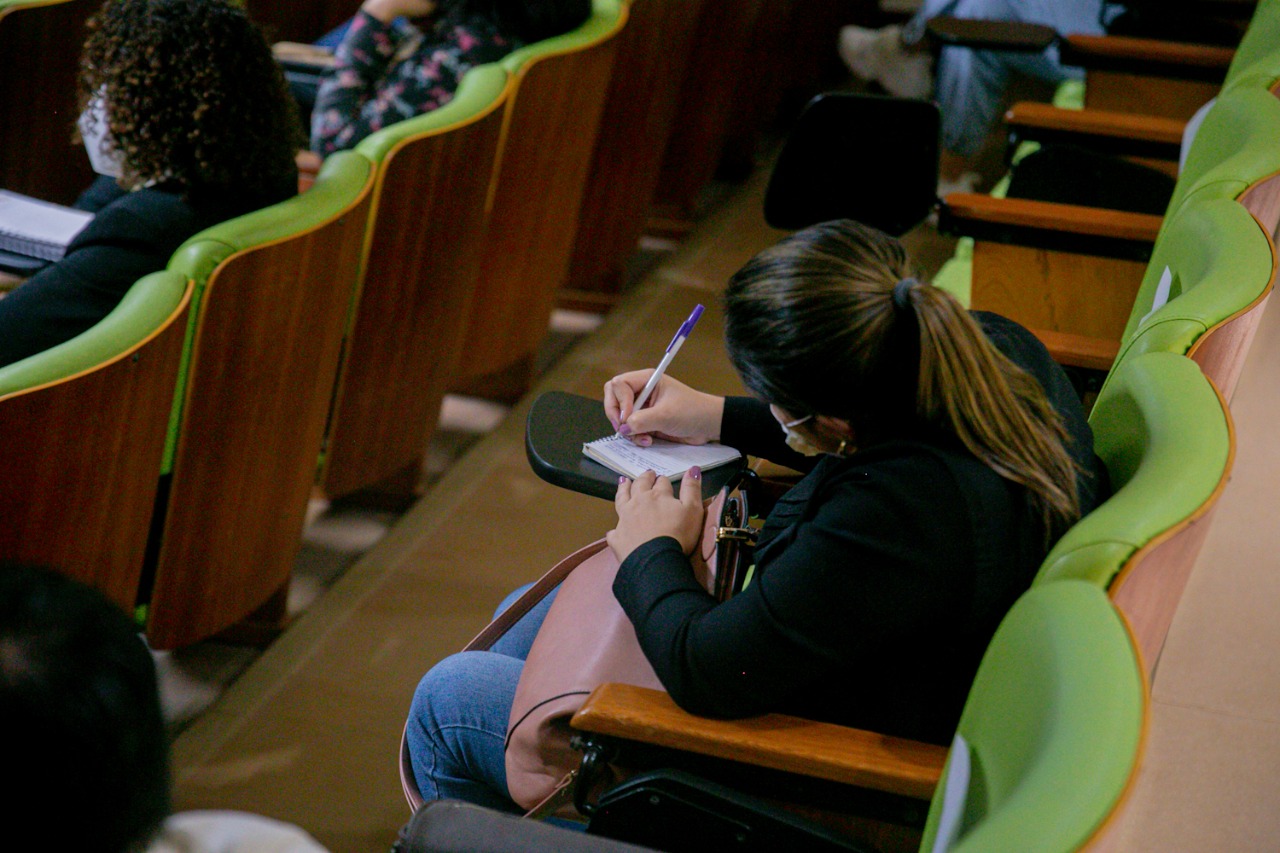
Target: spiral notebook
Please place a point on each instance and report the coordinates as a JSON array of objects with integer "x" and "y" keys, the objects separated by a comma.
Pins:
[
  {"x": 665, "y": 458},
  {"x": 38, "y": 229}
]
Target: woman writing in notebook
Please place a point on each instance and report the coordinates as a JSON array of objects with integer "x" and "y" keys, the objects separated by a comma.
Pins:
[
  {"x": 187, "y": 120},
  {"x": 945, "y": 453}
]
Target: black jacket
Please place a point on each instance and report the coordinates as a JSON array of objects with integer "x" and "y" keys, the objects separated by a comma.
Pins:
[
  {"x": 880, "y": 578},
  {"x": 131, "y": 235}
]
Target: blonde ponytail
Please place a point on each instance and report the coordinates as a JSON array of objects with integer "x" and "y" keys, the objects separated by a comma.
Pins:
[{"x": 997, "y": 410}]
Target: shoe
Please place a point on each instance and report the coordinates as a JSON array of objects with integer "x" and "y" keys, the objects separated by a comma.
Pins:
[{"x": 880, "y": 56}]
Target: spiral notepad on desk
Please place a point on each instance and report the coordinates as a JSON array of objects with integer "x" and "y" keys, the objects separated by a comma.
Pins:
[
  {"x": 38, "y": 229},
  {"x": 665, "y": 458}
]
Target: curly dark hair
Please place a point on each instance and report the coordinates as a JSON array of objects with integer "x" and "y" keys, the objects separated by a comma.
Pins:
[{"x": 193, "y": 93}]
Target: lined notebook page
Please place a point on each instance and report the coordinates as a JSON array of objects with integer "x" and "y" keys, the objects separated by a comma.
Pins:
[{"x": 665, "y": 458}]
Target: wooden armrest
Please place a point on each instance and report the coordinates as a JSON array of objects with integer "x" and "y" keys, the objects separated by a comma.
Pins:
[
  {"x": 1148, "y": 56},
  {"x": 1079, "y": 350},
  {"x": 776, "y": 741},
  {"x": 1027, "y": 118},
  {"x": 991, "y": 34},
  {"x": 301, "y": 55},
  {"x": 962, "y": 208}
]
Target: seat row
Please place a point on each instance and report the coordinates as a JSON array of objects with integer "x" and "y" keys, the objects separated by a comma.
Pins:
[
  {"x": 308, "y": 346},
  {"x": 1051, "y": 738}
]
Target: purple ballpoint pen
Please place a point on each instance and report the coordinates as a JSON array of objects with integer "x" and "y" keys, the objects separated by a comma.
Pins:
[{"x": 672, "y": 348}]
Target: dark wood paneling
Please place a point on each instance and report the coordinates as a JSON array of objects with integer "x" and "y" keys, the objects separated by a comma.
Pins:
[
  {"x": 258, "y": 391},
  {"x": 419, "y": 282},
  {"x": 82, "y": 461},
  {"x": 39, "y": 60},
  {"x": 654, "y": 50},
  {"x": 550, "y": 140},
  {"x": 300, "y": 20}
]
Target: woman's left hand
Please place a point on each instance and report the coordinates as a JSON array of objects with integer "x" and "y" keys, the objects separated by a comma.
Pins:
[{"x": 648, "y": 508}]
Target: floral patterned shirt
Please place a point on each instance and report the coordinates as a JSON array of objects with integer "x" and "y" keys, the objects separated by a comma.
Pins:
[{"x": 385, "y": 73}]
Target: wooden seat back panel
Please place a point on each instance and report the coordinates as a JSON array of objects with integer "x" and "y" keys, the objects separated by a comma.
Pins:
[
  {"x": 419, "y": 283},
  {"x": 552, "y": 121},
  {"x": 639, "y": 118},
  {"x": 82, "y": 462},
  {"x": 258, "y": 392}
]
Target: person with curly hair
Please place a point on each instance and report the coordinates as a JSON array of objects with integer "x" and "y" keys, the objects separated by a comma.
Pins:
[
  {"x": 387, "y": 70},
  {"x": 187, "y": 118}
]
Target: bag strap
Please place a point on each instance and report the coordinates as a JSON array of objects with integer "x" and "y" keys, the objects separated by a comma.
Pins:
[{"x": 522, "y": 605}]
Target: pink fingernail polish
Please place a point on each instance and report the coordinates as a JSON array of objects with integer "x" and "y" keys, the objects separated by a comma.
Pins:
[
  {"x": 625, "y": 429},
  {"x": 621, "y": 480},
  {"x": 695, "y": 472}
]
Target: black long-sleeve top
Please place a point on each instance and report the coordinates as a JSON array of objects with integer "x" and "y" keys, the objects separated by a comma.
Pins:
[
  {"x": 131, "y": 235},
  {"x": 880, "y": 577}
]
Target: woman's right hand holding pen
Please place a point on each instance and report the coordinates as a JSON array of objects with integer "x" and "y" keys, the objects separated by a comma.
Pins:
[{"x": 674, "y": 411}]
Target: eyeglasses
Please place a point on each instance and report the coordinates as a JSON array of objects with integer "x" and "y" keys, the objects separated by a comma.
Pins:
[{"x": 797, "y": 422}]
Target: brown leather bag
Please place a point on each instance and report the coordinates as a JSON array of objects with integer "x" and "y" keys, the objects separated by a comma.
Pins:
[{"x": 587, "y": 640}]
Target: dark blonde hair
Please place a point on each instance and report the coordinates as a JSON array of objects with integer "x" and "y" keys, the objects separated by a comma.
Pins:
[{"x": 812, "y": 326}]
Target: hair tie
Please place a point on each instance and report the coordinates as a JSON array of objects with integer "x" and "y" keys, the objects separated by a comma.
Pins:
[{"x": 902, "y": 293}]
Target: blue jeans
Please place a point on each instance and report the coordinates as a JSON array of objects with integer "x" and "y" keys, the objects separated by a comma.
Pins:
[
  {"x": 458, "y": 720},
  {"x": 970, "y": 84}
]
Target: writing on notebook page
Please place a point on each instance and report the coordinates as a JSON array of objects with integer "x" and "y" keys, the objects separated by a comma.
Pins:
[{"x": 665, "y": 458}]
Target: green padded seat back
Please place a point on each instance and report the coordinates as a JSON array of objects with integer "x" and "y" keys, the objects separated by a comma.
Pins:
[
  {"x": 1261, "y": 41},
  {"x": 1218, "y": 260},
  {"x": 1234, "y": 147},
  {"x": 478, "y": 90},
  {"x": 602, "y": 22},
  {"x": 341, "y": 179},
  {"x": 1052, "y": 729},
  {"x": 147, "y": 304},
  {"x": 1164, "y": 434}
]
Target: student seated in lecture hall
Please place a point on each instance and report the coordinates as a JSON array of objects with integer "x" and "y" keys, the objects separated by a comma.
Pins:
[
  {"x": 946, "y": 452},
  {"x": 387, "y": 70},
  {"x": 187, "y": 120}
]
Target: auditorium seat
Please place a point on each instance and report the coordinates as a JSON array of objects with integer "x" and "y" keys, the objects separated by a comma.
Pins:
[
  {"x": 1077, "y": 270},
  {"x": 1166, "y": 438},
  {"x": 1047, "y": 745},
  {"x": 432, "y": 181},
  {"x": 639, "y": 119},
  {"x": 274, "y": 290},
  {"x": 1210, "y": 276},
  {"x": 82, "y": 432},
  {"x": 551, "y": 121},
  {"x": 1138, "y": 133}
]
